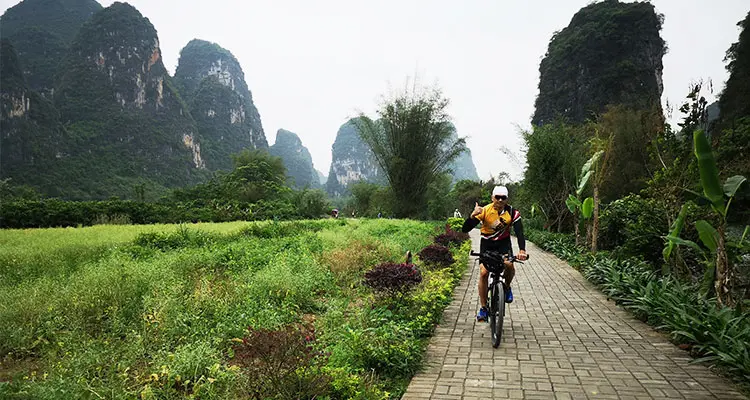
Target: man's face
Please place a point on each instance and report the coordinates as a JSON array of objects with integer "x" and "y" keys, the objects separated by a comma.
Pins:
[{"x": 499, "y": 201}]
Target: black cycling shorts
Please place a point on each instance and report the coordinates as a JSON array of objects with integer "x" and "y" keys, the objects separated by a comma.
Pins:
[{"x": 504, "y": 246}]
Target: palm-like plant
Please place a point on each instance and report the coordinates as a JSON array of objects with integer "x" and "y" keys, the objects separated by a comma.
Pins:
[
  {"x": 413, "y": 144},
  {"x": 718, "y": 267}
]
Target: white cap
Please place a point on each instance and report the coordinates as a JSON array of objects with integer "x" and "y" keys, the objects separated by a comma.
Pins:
[{"x": 500, "y": 190}]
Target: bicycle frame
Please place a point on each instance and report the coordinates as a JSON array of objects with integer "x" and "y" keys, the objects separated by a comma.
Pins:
[{"x": 495, "y": 292}]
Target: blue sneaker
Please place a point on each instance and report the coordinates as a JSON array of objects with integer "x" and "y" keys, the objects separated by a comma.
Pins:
[
  {"x": 508, "y": 295},
  {"x": 482, "y": 314}
]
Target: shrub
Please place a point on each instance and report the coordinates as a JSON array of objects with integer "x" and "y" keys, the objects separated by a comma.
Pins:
[
  {"x": 183, "y": 237},
  {"x": 282, "y": 362},
  {"x": 451, "y": 237},
  {"x": 437, "y": 255},
  {"x": 392, "y": 278},
  {"x": 634, "y": 226},
  {"x": 454, "y": 224},
  {"x": 349, "y": 263}
]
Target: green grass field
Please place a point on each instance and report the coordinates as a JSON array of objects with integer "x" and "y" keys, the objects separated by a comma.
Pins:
[{"x": 181, "y": 311}]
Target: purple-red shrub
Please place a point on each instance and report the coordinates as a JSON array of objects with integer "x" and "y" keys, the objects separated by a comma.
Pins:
[
  {"x": 282, "y": 362},
  {"x": 392, "y": 278},
  {"x": 436, "y": 254},
  {"x": 451, "y": 237}
]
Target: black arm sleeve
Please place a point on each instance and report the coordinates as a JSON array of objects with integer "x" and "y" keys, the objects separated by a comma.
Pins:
[
  {"x": 518, "y": 228},
  {"x": 469, "y": 224}
]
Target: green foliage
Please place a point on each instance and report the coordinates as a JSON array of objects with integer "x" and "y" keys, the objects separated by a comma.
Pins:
[
  {"x": 709, "y": 172},
  {"x": 85, "y": 305},
  {"x": 313, "y": 203},
  {"x": 413, "y": 144},
  {"x": 467, "y": 193},
  {"x": 454, "y": 224},
  {"x": 369, "y": 199},
  {"x": 733, "y": 145},
  {"x": 634, "y": 226},
  {"x": 439, "y": 200},
  {"x": 59, "y": 213},
  {"x": 629, "y": 133},
  {"x": 556, "y": 153}
]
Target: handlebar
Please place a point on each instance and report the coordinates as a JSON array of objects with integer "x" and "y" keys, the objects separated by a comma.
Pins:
[{"x": 505, "y": 256}]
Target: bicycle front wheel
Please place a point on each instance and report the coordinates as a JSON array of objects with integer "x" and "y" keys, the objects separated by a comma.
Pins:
[{"x": 497, "y": 314}]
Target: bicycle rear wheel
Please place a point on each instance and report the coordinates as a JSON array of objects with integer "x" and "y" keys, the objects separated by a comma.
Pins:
[{"x": 497, "y": 313}]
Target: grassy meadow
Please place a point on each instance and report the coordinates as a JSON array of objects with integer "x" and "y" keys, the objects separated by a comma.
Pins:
[{"x": 226, "y": 310}]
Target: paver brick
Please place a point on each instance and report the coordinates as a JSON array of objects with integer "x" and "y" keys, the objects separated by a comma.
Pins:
[{"x": 562, "y": 339}]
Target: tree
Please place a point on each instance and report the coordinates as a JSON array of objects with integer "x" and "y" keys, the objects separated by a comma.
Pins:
[
  {"x": 630, "y": 133},
  {"x": 412, "y": 143},
  {"x": 720, "y": 271},
  {"x": 555, "y": 153},
  {"x": 257, "y": 175}
]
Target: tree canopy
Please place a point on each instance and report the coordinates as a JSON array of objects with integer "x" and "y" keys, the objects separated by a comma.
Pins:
[{"x": 412, "y": 143}]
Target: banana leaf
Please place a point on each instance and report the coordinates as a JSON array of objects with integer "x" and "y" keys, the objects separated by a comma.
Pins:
[
  {"x": 573, "y": 203},
  {"x": 709, "y": 172},
  {"x": 594, "y": 158},
  {"x": 708, "y": 234},
  {"x": 682, "y": 242},
  {"x": 733, "y": 184},
  {"x": 587, "y": 209},
  {"x": 676, "y": 229},
  {"x": 582, "y": 185}
]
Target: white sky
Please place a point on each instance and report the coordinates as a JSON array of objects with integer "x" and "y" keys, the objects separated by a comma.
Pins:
[{"x": 312, "y": 64}]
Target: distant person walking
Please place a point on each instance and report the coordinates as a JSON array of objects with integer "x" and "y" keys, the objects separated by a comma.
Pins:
[{"x": 457, "y": 214}]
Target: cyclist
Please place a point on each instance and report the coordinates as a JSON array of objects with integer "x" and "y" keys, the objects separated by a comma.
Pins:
[{"x": 496, "y": 218}]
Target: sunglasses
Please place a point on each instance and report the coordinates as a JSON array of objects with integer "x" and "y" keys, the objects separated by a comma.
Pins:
[{"x": 500, "y": 197}]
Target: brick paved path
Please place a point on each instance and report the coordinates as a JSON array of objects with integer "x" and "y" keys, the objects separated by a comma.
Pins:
[{"x": 562, "y": 340}]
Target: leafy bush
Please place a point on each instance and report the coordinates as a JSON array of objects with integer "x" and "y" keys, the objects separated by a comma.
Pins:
[
  {"x": 634, "y": 226},
  {"x": 282, "y": 363},
  {"x": 183, "y": 237},
  {"x": 193, "y": 369},
  {"x": 437, "y": 255},
  {"x": 451, "y": 237},
  {"x": 291, "y": 280},
  {"x": 454, "y": 224},
  {"x": 391, "y": 278},
  {"x": 389, "y": 348}
]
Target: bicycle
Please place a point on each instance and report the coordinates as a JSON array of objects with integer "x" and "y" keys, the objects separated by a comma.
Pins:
[{"x": 494, "y": 262}]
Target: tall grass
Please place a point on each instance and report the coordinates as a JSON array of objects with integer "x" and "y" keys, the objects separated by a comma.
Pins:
[{"x": 153, "y": 311}]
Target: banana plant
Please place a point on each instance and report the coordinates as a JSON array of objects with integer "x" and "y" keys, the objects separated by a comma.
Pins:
[
  {"x": 575, "y": 204},
  {"x": 718, "y": 268}
]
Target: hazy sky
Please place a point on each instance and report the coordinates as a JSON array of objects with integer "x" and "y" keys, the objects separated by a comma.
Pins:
[{"x": 312, "y": 64}]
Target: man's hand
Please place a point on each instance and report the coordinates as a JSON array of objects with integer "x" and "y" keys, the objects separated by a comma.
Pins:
[
  {"x": 522, "y": 255},
  {"x": 477, "y": 210}
]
